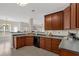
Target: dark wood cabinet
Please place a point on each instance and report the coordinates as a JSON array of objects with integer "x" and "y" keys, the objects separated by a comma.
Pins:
[
  {"x": 48, "y": 22},
  {"x": 77, "y": 15},
  {"x": 22, "y": 41},
  {"x": 48, "y": 44},
  {"x": 42, "y": 42},
  {"x": 19, "y": 42},
  {"x": 23, "y": 38},
  {"x": 55, "y": 45},
  {"x": 67, "y": 19},
  {"x": 57, "y": 21},
  {"x": 29, "y": 41},
  {"x": 54, "y": 21},
  {"x": 73, "y": 16},
  {"x": 25, "y": 41}
]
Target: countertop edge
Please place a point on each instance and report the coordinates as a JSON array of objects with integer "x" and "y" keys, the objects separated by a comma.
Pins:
[{"x": 39, "y": 36}]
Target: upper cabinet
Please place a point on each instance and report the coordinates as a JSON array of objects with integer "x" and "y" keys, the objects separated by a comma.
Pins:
[
  {"x": 73, "y": 15},
  {"x": 54, "y": 21},
  {"x": 57, "y": 21},
  {"x": 48, "y": 22},
  {"x": 77, "y": 15},
  {"x": 67, "y": 18}
]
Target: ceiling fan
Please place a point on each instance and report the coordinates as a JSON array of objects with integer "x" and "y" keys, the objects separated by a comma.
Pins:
[{"x": 22, "y": 2}]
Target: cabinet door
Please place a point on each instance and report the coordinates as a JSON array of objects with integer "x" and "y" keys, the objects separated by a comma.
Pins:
[
  {"x": 48, "y": 22},
  {"x": 77, "y": 15},
  {"x": 29, "y": 41},
  {"x": 42, "y": 42},
  {"x": 55, "y": 43},
  {"x": 18, "y": 42},
  {"x": 73, "y": 16},
  {"x": 25, "y": 41},
  {"x": 67, "y": 18},
  {"x": 57, "y": 21},
  {"x": 22, "y": 41},
  {"x": 48, "y": 44}
]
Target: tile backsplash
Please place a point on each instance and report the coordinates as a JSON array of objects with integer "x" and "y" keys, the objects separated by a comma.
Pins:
[{"x": 63, "y": 32}]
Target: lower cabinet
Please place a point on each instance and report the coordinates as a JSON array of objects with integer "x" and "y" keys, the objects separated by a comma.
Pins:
[
  {"x": 42, "y": 42},
  {"x": 48, "y": 44},
  {"x": 23, "y": 38},
  {"x": 22, "y": 41},
  {"x": 19, "y": 42},
  {"x": 29, "y": 41},
  {"x": 55, "y": 45}
]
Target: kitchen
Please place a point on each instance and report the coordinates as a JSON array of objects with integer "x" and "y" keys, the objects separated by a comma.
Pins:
[{"x": 56, "y": 29}]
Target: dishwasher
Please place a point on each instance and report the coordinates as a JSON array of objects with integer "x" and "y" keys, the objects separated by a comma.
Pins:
[{"x": 36, "y": 41}]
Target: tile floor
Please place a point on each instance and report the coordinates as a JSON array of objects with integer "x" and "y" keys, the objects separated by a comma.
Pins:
[
  {"x": 7, "y": 50},
  {"x": 26, "y": 51},
  {"x": 31, "y": 51}
]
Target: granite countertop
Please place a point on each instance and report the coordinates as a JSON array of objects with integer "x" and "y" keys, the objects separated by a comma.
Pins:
[{"x": 47, "y": 36}]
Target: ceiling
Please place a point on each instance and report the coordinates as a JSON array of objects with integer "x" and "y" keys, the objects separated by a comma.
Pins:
[{"x": 14, "y": 12}]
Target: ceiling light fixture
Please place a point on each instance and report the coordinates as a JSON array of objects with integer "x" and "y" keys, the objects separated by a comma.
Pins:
[{"x": 22, "y": 2}]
